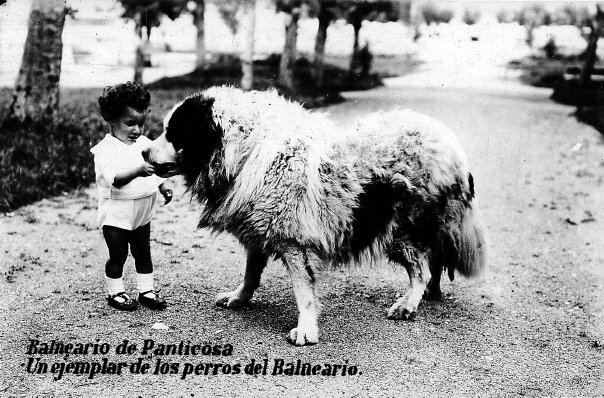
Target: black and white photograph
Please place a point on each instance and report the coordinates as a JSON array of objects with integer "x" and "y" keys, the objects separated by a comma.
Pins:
[{"x": 301, "y": 198}]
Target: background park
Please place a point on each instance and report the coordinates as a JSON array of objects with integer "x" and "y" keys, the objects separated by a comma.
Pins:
[{"x": 520, "y": 83}]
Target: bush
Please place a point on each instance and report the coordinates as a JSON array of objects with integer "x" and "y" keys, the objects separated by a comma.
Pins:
[{"x": 38, "y": 160}]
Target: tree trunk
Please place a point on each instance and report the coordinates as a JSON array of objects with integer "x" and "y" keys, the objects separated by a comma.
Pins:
[
  {"x": 139, "y": 63},
  {"x": 286, "y": 75},
  {"x": 248, "y": 24},
  {"x": 355, "y": 62},
  {"x": 530, "y": 35},
  {"x": 324, "y": 20},
  {"x": 415, "y": 19},
  {"x": 199, "y": 20},
  {"x": 36, "y": 95},
  {"x": 592, "y": 46},
  {"x": 140, "y": 55}
]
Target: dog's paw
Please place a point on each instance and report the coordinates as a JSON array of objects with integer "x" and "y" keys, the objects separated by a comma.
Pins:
[
  {"x": 308, "y": 335},
  {"x": 433, "y": 295},
  {"x": 231, "y": 300},
  {"x": 402, "y": 310}
]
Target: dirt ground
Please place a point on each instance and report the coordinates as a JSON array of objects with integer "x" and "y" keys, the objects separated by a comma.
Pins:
[{"x": 533, "y": 325}]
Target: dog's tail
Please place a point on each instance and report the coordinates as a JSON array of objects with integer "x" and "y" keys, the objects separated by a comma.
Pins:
[{"x": 463, "y": 240}]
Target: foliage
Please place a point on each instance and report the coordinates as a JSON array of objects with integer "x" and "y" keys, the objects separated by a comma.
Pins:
[
  {"x": 471, "y": 16},
  {"x": 533, "y": 16},
  {"x": 537, "y": 15},
  {"x": 289, "y": 5},
  {"x": 228, "y": 11},
  {"x": 505, "y": 15},
  {"x": 434, "y": 14},
  {"x": 147, "y": 13},
  {"x": 571, "y": 15}
]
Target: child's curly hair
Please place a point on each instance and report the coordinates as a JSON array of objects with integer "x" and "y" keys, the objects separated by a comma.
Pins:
[{"x": 115, "y": 98}]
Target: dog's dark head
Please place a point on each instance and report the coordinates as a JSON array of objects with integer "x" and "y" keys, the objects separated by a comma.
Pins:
[{"x": 190, "y": 138}]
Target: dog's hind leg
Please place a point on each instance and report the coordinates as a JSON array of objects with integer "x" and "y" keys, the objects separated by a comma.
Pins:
[
  {"x": 300, "y": 269},
  {"x": 416, "y": 264},
  {"x": 433, "y": 291},
  {"x": 240, "y": 297}
]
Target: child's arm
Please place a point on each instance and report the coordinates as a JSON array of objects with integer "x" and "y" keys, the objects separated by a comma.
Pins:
[{"x": 123, "y": 178}]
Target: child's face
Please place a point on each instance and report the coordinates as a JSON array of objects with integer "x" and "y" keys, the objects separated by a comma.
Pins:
[{"x": 129, "y": 125}]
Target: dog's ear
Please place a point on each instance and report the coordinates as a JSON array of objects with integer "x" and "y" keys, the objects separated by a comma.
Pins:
[
  {"x": 194, "y": 133},
  {"x": 192, "y": 118}
]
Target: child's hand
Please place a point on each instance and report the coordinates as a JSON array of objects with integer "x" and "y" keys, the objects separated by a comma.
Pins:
[
  {"x": 146, "y": 169},
  {"x": 167, "y": 193}
]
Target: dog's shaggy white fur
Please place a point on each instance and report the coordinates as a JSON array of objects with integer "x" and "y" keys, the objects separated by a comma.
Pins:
[{"x": 289, "y": 183}]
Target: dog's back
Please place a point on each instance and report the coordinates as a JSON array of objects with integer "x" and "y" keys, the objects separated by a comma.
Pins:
[{"x": 416, "y": 191}]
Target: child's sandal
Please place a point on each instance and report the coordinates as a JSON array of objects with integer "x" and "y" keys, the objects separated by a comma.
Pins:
[
  {"x": 152, "y": 300},
  {"x": 121, "y": 301}
]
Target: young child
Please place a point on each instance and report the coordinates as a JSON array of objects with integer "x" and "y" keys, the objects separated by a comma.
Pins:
[{"x": 127, "y": 193}]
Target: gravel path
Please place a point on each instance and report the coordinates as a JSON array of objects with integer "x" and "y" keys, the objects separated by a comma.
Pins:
[{"x": 532, "y": 326}]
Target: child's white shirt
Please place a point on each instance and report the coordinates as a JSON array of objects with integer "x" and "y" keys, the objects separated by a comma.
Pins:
[
  {"x": 112, "y": 156},
  {"x": 133, "y": 204}
]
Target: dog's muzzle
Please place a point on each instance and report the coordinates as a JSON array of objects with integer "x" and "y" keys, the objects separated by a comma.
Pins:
[
  {"x": 161, "y": 169},
  {"x": 166, "y": 169}
]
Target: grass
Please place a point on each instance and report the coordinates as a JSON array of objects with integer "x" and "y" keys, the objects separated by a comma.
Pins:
[{"x": 37, "y": 161}]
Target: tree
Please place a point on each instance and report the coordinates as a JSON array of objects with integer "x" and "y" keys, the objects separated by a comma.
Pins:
[
  {"x": 36, "y": 94},
  {"x": 531, "y": 17},
  {"x": 355, "y": 18},
  {"x": 293, "y": 9},
  {"x": 505, "y": 15},
  {"x": 471, "y": 16},
  {"x": 247, "y": 57},
  {"x": 415, "y": 19},
  {"x": 325, "y": 15},
  {"x": 198, "y": 12},
  {"x": 228, "y": 11},
  {"x": 146, "y": 14},
  {"x": 359, "y": 11},
  {"x": 597, "y": 28}
]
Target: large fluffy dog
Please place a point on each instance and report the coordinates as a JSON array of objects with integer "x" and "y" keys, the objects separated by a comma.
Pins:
[{"x": 290, "y": 185}]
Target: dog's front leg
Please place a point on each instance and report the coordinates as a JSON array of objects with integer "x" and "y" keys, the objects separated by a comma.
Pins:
[
  {"x": 303, "y": 280},
  {"x": 240, "y": 297}
]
